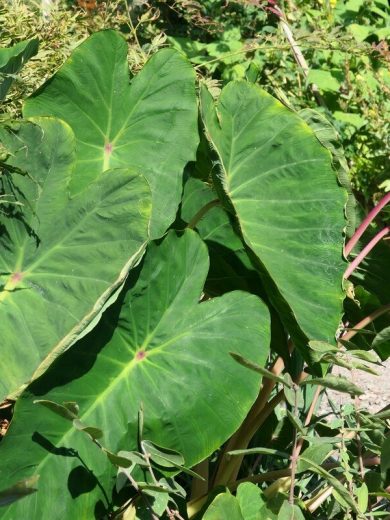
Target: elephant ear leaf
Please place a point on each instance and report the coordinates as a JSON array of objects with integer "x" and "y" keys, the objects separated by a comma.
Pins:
[
  {"x": 149, "y": 124},
  {"x": 158, "y": 347},
  {"x": 61, "y": 258},
  {"x": 12, "y": 60},
  {"x": 278, "y": 180}
]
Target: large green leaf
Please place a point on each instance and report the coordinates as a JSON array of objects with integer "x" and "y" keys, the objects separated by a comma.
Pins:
[
  {"x": 12, "y": 60},
  {"x": 278, "y": 179},
  {"x": 157, "y": 346},
  {"x": 150, "y": 124},
  {"x": 60, "y": 258},
  {"x": 328, "y": 137}
]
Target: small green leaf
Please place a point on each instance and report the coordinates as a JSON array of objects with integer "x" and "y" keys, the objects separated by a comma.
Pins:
[
  {"x": 292, "y": 392},
  {"x": 338, "y": 383},
  {"x": 133, "y": 456},
  {"x": 347, "y": 363},
  {"x": 381, "y": 343},
  {"x": 125, "y": 459},
  {"x": 141, "y": 423},
  {"x": 72, "y": 406},
  {"x": 325, "y": 79},
  {"x": 385, "y": 455},
  {"x": 167, "y": 458},
  {"x": 362, "y": 497},
  {"x": 257, "y": 368},
  {"x": 162, "y": 456},
  {"x": 19, "y": 490},
  {"x": 296, "y": 422},
  {"x": 322, "y": 347},
  {"x": 130, "y": 513},
  {"x": 383, "y": 415},
  {"x": 160, "y": 499},
  {"x": 322, "y": 440},
  {"x": 59, "y": 409},
  {"x": 261, "y": 451},
  {"x": 351, "y": 119},
  {"x": 146, "y": 487},
  {"x": 366, "y": 355},
  {"x": 252, "y": 502},
  {"x": 224, "y": 506},
  {"x": 290, "y": 512},
  {"x": 93, "y": 432},
  {"x": 359, "y": 32},
  {"x": 252, "y": 72},
  {"x": 316, "y": 453},
  {"x": 341, "y": 490}
]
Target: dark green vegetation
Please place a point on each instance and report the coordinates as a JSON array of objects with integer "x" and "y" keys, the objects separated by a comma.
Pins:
[
  {"x": 345, "y": 44},
  {"x": 174, "y": 294}
]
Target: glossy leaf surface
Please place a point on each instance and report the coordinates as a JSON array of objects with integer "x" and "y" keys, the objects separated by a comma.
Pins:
[
  {"x": 278, "y": 179},
  {"x": 61, "y": 258},
  {"x": 149, "y": 124},
  {"x": 157, "y": 346}
]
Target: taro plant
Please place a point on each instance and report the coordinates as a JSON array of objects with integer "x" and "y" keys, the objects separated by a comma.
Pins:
[{"x": 170, "y": 301}]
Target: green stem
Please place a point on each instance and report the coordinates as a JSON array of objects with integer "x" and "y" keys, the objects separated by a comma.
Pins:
[
  {"x": 236, "y": 441},
  {"x": 201, "y": 213},
  {"x": 295, "y": 452},
  {"x": 230, "y": 466},
  {"x": 366, "y": 321},
  {"x": 200, "y": 487}
]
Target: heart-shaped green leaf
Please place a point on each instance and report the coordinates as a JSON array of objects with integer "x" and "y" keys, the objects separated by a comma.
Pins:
[
  {"x": 249, "y": 504},
  {"x": 150, "y": 124},
  {"x": 224, "y": 506},
  {"x": 278, "y": 179},
  {"x": 61, "y": 258},
  {"x": 159, "y": 347}
]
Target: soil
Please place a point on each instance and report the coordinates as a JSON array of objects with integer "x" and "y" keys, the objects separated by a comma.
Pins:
[{"x": 376, "y": 389}]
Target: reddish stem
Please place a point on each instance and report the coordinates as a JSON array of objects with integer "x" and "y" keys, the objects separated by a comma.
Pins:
[
  {"x": 364, "y": 225},
  {"x": 364, "y": 252}
]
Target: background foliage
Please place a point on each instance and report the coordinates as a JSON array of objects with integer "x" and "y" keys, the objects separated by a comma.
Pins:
[{"x": 345, "y": 44}]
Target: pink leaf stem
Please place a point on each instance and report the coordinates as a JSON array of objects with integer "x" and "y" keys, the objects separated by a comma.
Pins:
[
  {"x": 364, "y": 225},
  {"x": 364, "y": 252}
]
